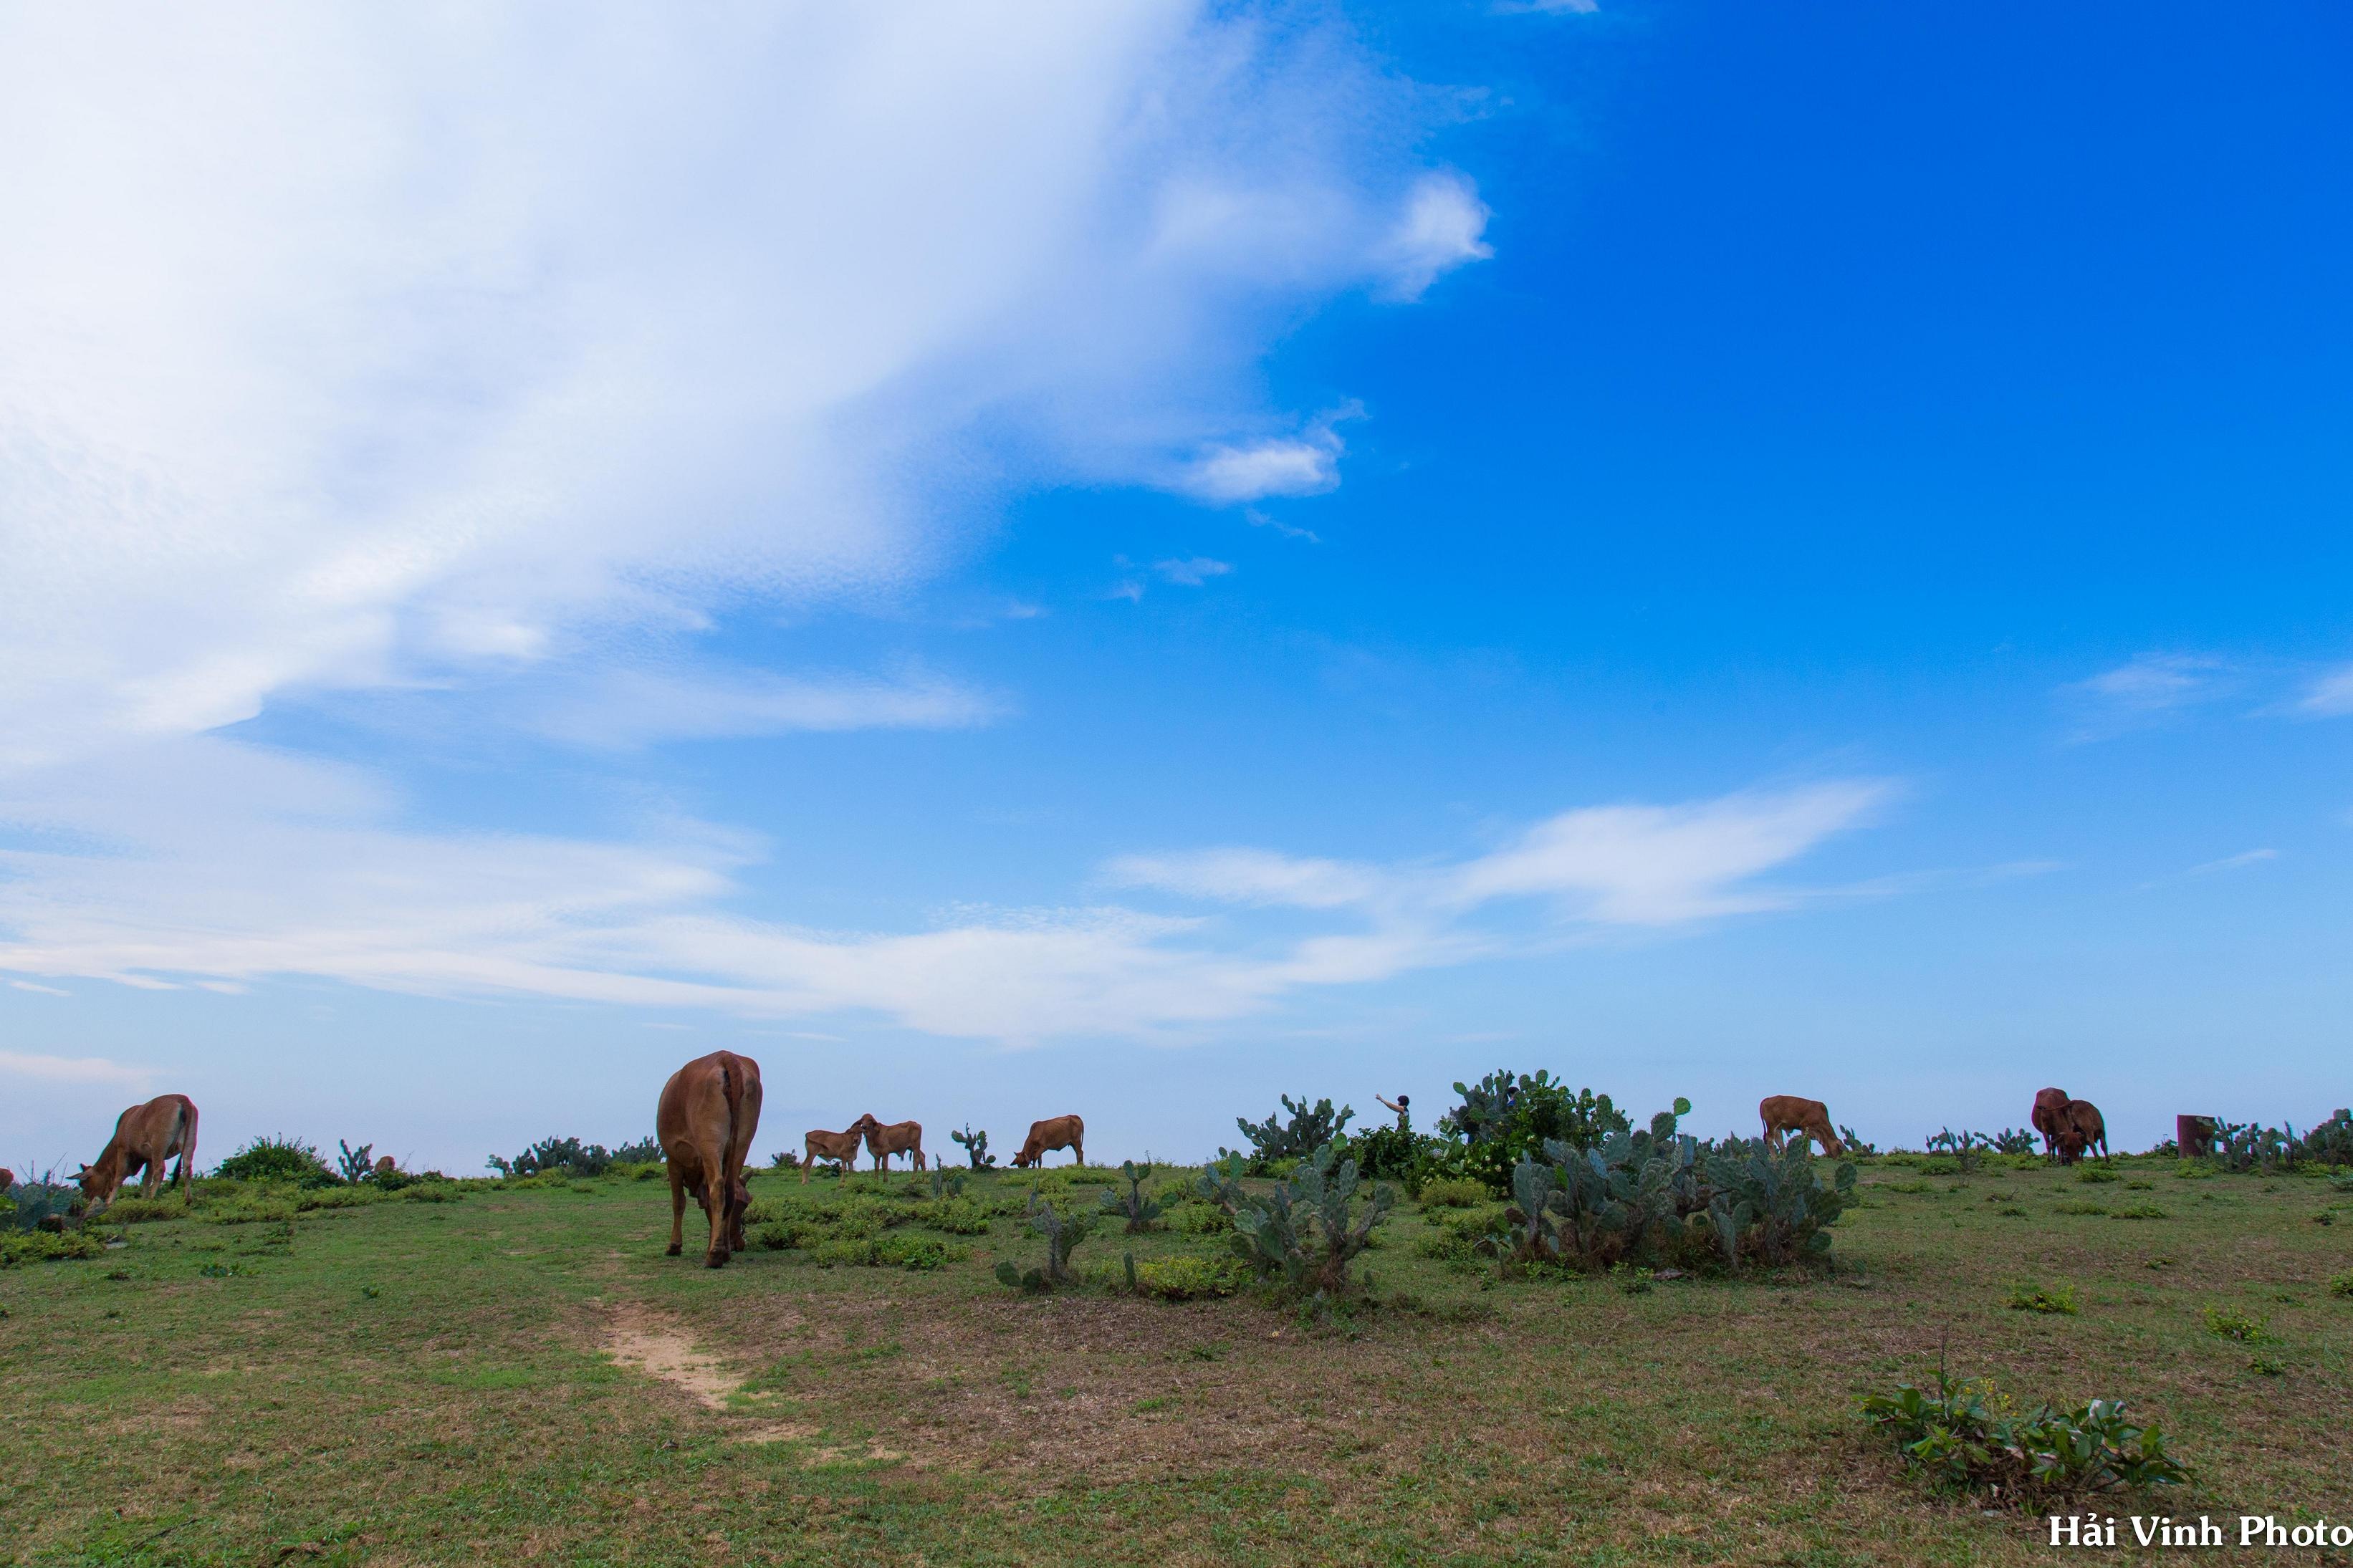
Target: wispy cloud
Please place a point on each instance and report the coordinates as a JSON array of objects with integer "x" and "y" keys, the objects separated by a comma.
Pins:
[
  {"x": 1191, "y": 572},
  {"x": 1439, "y": 230},
  {"x": 73, "y": 1069},
  {"x": 2146, "y": 690},
  {"x": 2330, "y": 696},
  {"x": 632, "y": 707},
  {"x": 1304, "y": 465},
  {"x": 40, "y": 989},
  {"x": 239, "y": 887},
  {"x": 2233, "y": 862}
]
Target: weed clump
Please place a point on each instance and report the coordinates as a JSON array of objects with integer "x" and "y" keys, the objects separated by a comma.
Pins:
[
  {"x": 2244, "y": 1328},
  {"x": 1184, "y": 1279},
  {"x": 277, "y": 1160},
  {"x": 1969, "y": 1437},
  {"x": 2028, "y": 1297}
]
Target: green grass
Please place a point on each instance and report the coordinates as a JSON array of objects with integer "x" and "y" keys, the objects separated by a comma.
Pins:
[{"x": 435, "y": 1382}]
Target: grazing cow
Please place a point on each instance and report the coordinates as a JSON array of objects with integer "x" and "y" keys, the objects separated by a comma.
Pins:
[
  {"x": 1792, "y": 1113},
  {"x": 885, "y": 1139},
  {"x": 8, "y": 1178},
  {"x": 2044, "y": 1118},
  {"x": 842, "y": 1146},
  {"x": 2081, "y": 1130},
  {"x": 145, "y": 1137},
  {"x": 386, "y": 1165},
  {"x": 705, "y": 1122},
  {"x": 1054, "y": 1132}
]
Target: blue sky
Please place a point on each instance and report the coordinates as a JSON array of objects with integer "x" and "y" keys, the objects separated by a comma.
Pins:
[{"x": 1133, "y": 560}]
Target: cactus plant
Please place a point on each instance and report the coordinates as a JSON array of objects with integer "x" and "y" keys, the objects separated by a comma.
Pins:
[
  {"x": 976, "y": 1147},
  {"x": 1308, "y": 1229},
  {"x": 1138, "y": 1210},
  {"x": 1310, "y": 1129},
  {"x": 1769, "y": 1205},
  {"x": 945, "y": 1186},
  {"x": 1063, "y": 1232}
]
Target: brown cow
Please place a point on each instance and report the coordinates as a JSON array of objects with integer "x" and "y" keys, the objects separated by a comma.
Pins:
[
  {"x": 885, "y": 1139},
  {"x": 2044, "y": 1118},
  {"x": 8, "y": 1178},
  {"x": 706, "y": 1117},
  {"x": 1792, "y": 1113},
  {"x": 842, "y": 1146},
  {"x": 2080, "y": 1129},
  {"x": 1054, "y": 1132},
  {"x": 145, "y": 1137}
]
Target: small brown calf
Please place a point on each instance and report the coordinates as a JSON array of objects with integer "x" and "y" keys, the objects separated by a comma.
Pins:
[{"x": 842, "y": 1146}]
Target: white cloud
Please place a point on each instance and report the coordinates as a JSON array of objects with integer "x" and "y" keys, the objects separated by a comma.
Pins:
[
  {"x": 1192, "y": 573},
  {"x": 2233, "y": 862},
  {"x": 73, "y": 1069},
  {"x": 239, "y": 886},
  {"x": 352, "y": 348},
  {"x": 1440, "y": 231},
  {"x": 42, "y": 990},
  {"x": 631, "y": 708},
  {"x": 2331, "y": 695},
  {"x": 1304, "y": 465}
]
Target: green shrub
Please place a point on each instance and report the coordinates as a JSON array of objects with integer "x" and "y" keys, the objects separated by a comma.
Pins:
[
  {"x": 277, "y": 1160},
  {"x": 50, "y": 1247},
  {"x": 1195, "y": 1217},
  {"x": 1460, "y": 1193},
  {"x": 1767, "y": 1207},
  {"x": 2342, "y": 1284},
  {"x": 960, "y": 1216},
  {"x": 2028, "y": 1297},
  {"x": 1968, "y": 1150},
  {"x": 140, "y": 1211},
  {"x": 2139, "y": 1211},
  {"x": 1307, "y": 1230},
  {"x": 919, "y": 1253},
  {"x": 1968, "y": 1437},
  {"x": 1308, "y": 1130},
  {"x": 1185, "y": 1279},
  {"x": 1504, "y": 1115},
  {"x": 571, "y": 1158},
  {"x": 2244, "y": 1327},
  {"x": 2092, "y": 1176}
]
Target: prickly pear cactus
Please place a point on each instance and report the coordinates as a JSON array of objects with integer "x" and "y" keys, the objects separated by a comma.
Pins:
[{"x": 1133, "y": 1206}]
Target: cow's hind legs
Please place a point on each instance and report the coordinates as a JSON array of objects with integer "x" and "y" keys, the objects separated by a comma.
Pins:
[{"x": 677, "y": 1211}]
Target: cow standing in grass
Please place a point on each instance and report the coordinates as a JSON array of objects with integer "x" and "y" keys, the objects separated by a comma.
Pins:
[
  {"x": 2080, "y": 1129},
  {"x": 1808, "y": 1117},
  {"x": 1054, "y": 1132},
  {"x": 883, "y": 1140},
  {"x": 709, "y": 1110},
  {"x": 145, "y": 1138},
  {"x": 2044, "y": 1118},
  {"x": 842, "y": 1146}
]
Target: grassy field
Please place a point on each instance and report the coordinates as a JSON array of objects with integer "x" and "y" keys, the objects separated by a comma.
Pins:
[{"x": 521, "y": 1375}]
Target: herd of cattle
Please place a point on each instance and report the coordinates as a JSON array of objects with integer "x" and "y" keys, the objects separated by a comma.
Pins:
[{"x": 709, "y": 1110}]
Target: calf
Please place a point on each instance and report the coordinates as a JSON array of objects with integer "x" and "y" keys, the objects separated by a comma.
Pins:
[
  {"x": 145, "y": 1138},
  {"x": 842, "y": 1146},
  {"x": 882, "y": 1141},
  {"x": 705, "y": 1122},
  {"x": 1054, "y": 1132},
  {"x": 1808, "y": 1117},
  {"x": 2082, "y": 1128},
  {"x": 2044, "y": 1118}
]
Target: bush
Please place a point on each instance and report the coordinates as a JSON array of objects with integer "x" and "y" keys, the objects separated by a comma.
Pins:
[
  {"x": 277, "y": 1160},
  {"x": 2330, "y": 1143},
  {"x": 1307, "y": 1230},
  {"x": 1767, "y": 1207},
  {"x": 1967, "y": 1435},
  {"x": 50, "y": 1247},
  {"x": 1187, "y": 1278},
  {"x": 565, "y": 1156},
  {"x": 2014, "y": 1141},
  {"x": 1502, "y": 1118},
  {"x": 2243, "y": 1327},
  {"x": 1967, "y": 1149},
  {"x": 1308, "y": 1130},
  {"x": 1459, "y": 1193},
  {"x": 1397, "y": 1152},
  {"x": 912, "y": 1252},
  {"x": 36, "y": 1199},
  {"x": 1195, "y": 1217},
  {"x": 960, "y": 1216},
  {"x": 2031, "y": 1298},
  {"x": 2342, "y": 1285}
]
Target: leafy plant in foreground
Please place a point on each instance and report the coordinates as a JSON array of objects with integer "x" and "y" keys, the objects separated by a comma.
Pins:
[
  {"x": 1138, "y": 1211},
  {"x": 1967, "y": 1436}
]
